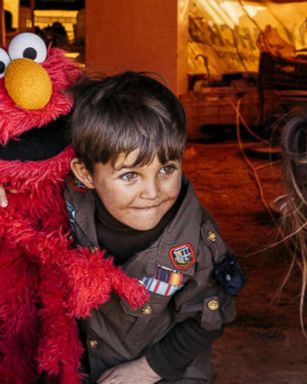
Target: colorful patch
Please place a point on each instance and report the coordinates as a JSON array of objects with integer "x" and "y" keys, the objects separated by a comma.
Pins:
[
  {"x": 182, "y": 256},
  {"x": 165, "y": 281},
  {"x": 76, "y": 184}
]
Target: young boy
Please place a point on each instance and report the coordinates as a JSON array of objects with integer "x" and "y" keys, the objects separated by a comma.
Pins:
[{"x": 131, "y": 199}]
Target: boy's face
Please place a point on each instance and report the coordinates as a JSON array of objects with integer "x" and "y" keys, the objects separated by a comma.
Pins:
[{"x": 137, "y": 196}]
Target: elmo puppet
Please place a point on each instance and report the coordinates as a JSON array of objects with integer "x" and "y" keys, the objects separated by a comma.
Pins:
[{"x": 45, "y": 283}]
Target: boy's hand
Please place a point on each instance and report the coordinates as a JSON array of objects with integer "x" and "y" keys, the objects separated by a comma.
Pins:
[
  {"x": 3, "y": 199},
  {"x": 137, "y": 371}
]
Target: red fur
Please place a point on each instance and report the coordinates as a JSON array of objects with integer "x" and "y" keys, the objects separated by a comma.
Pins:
[
  {"x": 15, "y": 120},
  {"x": 44, "y": 282}
]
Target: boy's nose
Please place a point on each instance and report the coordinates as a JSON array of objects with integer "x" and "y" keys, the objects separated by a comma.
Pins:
[{"x": 150, "y": 189}]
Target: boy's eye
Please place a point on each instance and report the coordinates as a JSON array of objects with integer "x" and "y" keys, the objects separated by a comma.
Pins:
[
  {"x": 168, "y": 169},
  {"x": 129, "y": 176}
]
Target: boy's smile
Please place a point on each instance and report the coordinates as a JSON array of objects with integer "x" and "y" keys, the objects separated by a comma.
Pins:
[{"x": 137, "y": 196}]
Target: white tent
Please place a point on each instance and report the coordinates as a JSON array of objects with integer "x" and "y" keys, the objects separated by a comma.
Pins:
[{"x": 223, "y": 34}]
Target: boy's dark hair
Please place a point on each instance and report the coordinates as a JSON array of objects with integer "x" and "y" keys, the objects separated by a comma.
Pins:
[{"x": 121, "y": 113}]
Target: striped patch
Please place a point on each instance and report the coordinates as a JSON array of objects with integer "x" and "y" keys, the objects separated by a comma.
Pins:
[{"x": 165, "y": 281}]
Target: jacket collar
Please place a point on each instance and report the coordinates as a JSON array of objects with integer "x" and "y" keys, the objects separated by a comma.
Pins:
[
  {"x": 183, "y": 230},
  {"x": 82, "y": 202}
]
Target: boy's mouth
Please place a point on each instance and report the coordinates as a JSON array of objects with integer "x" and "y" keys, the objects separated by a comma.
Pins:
[{"x": 38, "y": 143}]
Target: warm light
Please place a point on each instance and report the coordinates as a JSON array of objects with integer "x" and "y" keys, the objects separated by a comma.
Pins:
[
  {"x": 12, "y": 6},
  {"x": 252, "y": 10},
  {"x": 207, "y": 7},
  {"x": 72, "y": 55},
  {"x": 236, "y": 11},
  {"x": 43, "y": 18},
  {"x": 228, "y": 12}
]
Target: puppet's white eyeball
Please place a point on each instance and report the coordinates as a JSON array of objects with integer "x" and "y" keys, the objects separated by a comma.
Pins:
[
  {"x": 28, "y": 45},
  {"x": 4, "y": 62}
]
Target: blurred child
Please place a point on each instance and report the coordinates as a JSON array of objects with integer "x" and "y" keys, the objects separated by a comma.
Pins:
[{"x": 294, "y": 142}]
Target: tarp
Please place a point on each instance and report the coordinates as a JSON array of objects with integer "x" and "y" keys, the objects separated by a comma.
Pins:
[{"x": 223, "y": 34}]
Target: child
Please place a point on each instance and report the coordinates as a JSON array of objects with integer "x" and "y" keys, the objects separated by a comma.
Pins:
[
  {"x": 294, "y": 143},
  {"x": 130, "y": 198}
]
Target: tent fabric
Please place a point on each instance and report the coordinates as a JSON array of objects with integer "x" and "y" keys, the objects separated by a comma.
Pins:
[{"x": 223, "y": 34}]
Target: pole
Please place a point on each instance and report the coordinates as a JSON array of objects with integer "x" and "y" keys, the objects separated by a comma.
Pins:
[
  {"x": 2, "y": 25},
  {"x": 32, "y": 9}
]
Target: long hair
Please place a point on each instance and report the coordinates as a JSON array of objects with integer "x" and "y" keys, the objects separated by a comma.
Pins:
[{"x": 294, "y": 142}]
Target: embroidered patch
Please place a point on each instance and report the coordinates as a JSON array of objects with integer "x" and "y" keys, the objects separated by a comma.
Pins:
[
  {"x": 182, "y": 256},
  {"x": 165, "y": 281}
]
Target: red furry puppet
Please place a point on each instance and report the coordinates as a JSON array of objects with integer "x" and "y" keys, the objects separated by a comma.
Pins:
[{"x": 44, "y": 282}]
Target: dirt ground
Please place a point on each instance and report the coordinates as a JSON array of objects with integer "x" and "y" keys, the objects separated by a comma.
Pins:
[{"x": 265, "y": 344}]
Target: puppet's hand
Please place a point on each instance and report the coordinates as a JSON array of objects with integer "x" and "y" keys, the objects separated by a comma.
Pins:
[
  {"x": 3, "y": 198},
  {"x": 137, "y": 371},
  {"x": 92, "y": 278}
]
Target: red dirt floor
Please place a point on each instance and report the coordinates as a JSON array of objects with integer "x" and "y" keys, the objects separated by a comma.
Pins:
[{"x": 265, "y": 344}]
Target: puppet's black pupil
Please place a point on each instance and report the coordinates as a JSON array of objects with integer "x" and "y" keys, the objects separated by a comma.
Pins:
[
  {"x": 2, "y": 67},
  {"x": 30, "y": 53}
]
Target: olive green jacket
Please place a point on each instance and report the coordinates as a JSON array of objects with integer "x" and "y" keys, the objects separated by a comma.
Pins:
[{"x": 186, "y": 253}]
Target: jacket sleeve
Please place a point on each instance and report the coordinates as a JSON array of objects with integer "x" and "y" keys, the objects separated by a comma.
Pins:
[
  {"x": 171, "y": 356},
  {"x": 206, "y": 296}
]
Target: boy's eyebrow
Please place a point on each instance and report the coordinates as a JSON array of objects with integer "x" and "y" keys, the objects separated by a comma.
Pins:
[
  {"x": 122, "y": 166},
  {"x": 131, "y": 166}
]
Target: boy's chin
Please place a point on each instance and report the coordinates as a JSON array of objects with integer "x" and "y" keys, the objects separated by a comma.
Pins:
[{"x": 144, "y": 224}]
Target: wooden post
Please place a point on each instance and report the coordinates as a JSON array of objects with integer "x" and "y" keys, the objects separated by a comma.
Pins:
[
  {"x": 2, "y": 25},
  {"x": 142, "y": 35},
  {"x": 32, "y": 8}
]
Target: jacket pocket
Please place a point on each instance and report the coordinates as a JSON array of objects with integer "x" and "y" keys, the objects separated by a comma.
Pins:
[{"x": 150, "y": 321}]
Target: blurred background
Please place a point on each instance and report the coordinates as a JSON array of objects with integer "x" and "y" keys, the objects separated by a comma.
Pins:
[{"x": 212, "y": 53}]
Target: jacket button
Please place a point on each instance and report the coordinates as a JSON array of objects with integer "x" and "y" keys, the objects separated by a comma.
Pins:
[
  {"x": 93, "y": 343},
  {"x": 211, "y": 236},
  {"x": 147, "y": 309},
  {"x": 213, "y": 305}
]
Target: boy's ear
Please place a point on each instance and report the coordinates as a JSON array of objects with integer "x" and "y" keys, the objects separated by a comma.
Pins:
[{"x": 81, "y": 173}]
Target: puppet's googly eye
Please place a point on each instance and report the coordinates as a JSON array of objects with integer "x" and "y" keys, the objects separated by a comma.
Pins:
[
  {"x": 28, "y": 45},
  {"x": 4, "y": 62}
]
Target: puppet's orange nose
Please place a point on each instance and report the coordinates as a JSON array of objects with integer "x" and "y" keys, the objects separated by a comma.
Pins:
[{"x": 28, "y": 84}]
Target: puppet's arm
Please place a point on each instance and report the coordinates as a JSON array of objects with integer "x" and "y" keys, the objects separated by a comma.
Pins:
[{"x": 88, "y": 277}]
